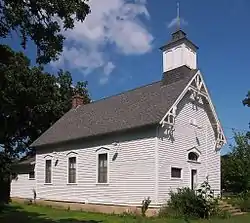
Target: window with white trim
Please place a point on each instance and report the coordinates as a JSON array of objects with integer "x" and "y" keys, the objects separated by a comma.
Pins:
[
  {"x": 102, "y": 168},
  {"x": 72, "y": 170},
  {"x": 32, "y": 175},
  {"x": 176, "y": 172},
  {"x": 48, "y": 172}
]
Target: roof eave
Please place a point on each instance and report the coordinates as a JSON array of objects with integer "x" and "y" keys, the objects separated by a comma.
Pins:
[
  {"x": 38, "y": 146},
  {"x": 177, "y": 42}
]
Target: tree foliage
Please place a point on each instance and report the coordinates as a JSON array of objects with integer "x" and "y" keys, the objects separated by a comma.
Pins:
[
  {"x": 41, "y": 21},
  {"x": 31, "y": 100},
  {"x": 246, "y": 101},
  {"x": 189, "y": 203},
  {"x": 235, "y": 166}
]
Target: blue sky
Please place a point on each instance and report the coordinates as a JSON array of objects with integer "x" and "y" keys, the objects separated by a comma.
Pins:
[{"x": 117, "y": 48}]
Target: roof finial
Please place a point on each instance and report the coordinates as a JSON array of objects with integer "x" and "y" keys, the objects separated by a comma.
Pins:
[{"x": 178, "y": 19}]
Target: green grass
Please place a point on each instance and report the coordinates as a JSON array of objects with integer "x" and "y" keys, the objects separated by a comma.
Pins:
[{"x": 21, "y": 213}]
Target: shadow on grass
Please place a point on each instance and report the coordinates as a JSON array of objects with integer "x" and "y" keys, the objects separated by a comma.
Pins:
[{"x": 10, "y": 214}]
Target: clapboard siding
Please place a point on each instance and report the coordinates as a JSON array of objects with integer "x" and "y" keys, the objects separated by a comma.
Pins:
[
  {"x": 22, "y": 187},
  {"x": 131, "y": 174},
  {"x": 141, "y": 169},
  {"x": 174, "y": 153}
]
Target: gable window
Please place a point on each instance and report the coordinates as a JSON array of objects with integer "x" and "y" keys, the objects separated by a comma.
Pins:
[
  {"x": 72, "y": 170},
  {"x": 103, "y": 168},
  {"x": 175, "y": 172},
  {"x": 32, "y": 175},
  {"x": 192, "y": 156},
  {"x": 48, "y": 171}
]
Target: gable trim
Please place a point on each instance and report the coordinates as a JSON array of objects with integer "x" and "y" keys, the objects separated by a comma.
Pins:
[
  {"x": 212, "y": 107},
  {"x": 206, "y": 96},
  {"x": 178, "y": 99}
]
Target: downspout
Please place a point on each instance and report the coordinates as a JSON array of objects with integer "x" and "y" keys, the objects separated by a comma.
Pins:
[{"x": 156, "y": 164}]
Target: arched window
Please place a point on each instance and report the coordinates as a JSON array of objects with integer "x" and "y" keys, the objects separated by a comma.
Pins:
[{"x": 193, "y": 156}]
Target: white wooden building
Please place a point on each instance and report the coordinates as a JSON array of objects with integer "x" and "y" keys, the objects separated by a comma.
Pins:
[{"x": 143, "y": 142}]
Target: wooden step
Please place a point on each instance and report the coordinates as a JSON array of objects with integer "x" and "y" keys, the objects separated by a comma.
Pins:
[
  {"x": 234, "y": 211},
  {"x": 238, "y": 213},
  {"x": 223, "y": 205}
]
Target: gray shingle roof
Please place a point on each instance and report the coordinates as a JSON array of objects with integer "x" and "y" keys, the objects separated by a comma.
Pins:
[
  {"x": 135, "y": 108},
  {"x": 25, "y": 161}
]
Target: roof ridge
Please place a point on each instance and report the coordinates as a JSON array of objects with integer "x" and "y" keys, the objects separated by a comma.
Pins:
[{"x": 123, "y": 92}]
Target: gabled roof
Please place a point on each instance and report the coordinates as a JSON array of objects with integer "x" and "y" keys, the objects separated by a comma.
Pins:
[
  {"x": 178, "y": 38},
  {"x": 132, "y": 109}
]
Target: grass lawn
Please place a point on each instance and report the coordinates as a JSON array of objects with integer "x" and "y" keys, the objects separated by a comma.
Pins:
[{"x": 21, "y": 213}]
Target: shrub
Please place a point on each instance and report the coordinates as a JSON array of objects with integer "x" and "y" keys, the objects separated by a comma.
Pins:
[
  {"x": 145, "y": 204},
  {"x": 210, "y": 204},
  {"x": 244, "y": 204},
  {"x": 241, "y": 201},
  {"x": 185, "y": 203},
  {"x": 188, "y": 203}
]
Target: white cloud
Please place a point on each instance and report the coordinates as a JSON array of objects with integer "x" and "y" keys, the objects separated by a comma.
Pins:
[
  {"x": 109, "y": 67},
  {"x": 107, "y": 70},
  {"x": 115, "y": 23},
  {"x": 174, "y": 22}
]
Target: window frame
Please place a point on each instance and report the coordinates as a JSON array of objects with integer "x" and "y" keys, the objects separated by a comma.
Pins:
[
  {"x": 51, "y": 171},
  {"x": 196, "y": 154},
  {"x": 176, "y": 178},
  {"x": 72, "y": 155},
  {"x": 30, "y": 178},
  {"x": 97, "y": 166}
]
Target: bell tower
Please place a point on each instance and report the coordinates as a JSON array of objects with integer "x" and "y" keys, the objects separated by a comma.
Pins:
[{"x": 179, "y": 51}]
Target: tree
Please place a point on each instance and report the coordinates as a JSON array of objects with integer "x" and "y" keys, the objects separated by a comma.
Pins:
[
  {"x": 246, "y": 101},
  {"x": 235, "y": 166},
  {"x": 31, "y": 100},
  {"x": 42, "y": 22}
]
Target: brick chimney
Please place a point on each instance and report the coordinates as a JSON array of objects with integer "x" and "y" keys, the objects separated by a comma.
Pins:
[{"x": 77, "y": 100}]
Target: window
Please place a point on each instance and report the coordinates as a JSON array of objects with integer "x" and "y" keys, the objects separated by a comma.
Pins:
[
  {"x": 72, "y": 170},
  {"x": 31, "y": 175},
  {"x": 48, "y": 171},
  {"x": 175, "y": 172},
  {"x": 103, "y": 168},
  {"x": 193, "y": 156}
]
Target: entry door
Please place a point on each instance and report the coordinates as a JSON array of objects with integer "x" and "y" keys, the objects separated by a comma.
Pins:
[{"x": 193, "y": 179}]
